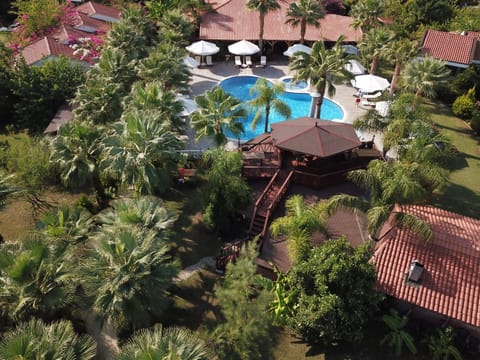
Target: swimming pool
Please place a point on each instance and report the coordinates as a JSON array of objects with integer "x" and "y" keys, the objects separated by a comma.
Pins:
[
  {"x": 239, "y": 86},
  {"x": 291, "y": 85}
]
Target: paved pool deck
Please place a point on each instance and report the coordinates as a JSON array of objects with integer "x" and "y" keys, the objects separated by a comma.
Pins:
[{"x": 206, "y": 77}]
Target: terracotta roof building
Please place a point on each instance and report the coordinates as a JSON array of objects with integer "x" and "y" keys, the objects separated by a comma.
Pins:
[
  {"x": 459, "y": 50},
  {"x": 232, "y": 21},
  {"x": 442, "y": 278},
  {"x": 91, "y": 19}
]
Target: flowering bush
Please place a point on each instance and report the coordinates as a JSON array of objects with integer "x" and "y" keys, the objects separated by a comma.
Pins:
[
  {"x": 88, "y": 48},
  {"x": 38, "y": 18}
]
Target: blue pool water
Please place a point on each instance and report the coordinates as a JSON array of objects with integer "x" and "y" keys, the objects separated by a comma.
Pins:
[
  {"x": 239, "y": 86},
  {"x": 291, "y": 85}
]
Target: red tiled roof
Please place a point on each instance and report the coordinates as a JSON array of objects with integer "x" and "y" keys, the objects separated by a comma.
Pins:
[
  {"x": 449, "y": 47},
  {"x": 232, "y": 21},
  {"x": 86, "y": 20},
  {"x": 65, "y": 31},
  {"x": 45, "y": 47},
  {"x": 90, "y": 8},
  {"x": 450, "y": 283},
  {"x": 314, "y": 137},
  {"x": 476, "y": 35}
]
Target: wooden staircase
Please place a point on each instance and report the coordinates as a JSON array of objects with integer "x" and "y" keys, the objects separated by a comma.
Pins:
[{"x": 268, "y": 200}]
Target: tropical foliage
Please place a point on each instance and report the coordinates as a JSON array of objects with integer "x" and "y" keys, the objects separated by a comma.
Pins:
[
  {"x": 263, "y": 7},
  {"x": 36, "y": 340},
  {"x": 367, "y": 14},
  {"x": 227, "y": 192},
  {"x": 441, "y": 345},
  {"x": 325, "y": 286},
  {"x": 397, "y": 337},
  {"x": 303, "y": 13},
  {"x": 244, "y": 334},
  {"x": 322, "y": 68},
  {"x": 266, "y": 97}
]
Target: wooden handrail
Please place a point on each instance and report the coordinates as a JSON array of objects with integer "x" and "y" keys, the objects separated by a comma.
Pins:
[
  {"x": 260, "y": 198},
  {"x": 276, "y": 199}
]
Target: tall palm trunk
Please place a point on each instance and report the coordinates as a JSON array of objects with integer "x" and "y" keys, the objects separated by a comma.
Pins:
[
  {"x": 396, "y": 75},
  {"x": 267, "y": 114},
  {"x": 319, "y": 102},
  {"x": 260, "y": 34},
  {"x": 374, "y": 66},
  {"x": 303, "y": 30}
]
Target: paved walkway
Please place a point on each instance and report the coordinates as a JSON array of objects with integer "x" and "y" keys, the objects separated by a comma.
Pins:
[
  {"x": 204, "y": 78},
  {"x": 192, "y": 269}
]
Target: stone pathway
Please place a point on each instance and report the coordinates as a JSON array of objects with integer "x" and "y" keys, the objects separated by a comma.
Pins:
[{"x": 192, "y": 269}]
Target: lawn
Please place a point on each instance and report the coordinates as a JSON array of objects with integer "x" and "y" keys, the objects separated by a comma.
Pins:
[{"x": 463, "y": 193}]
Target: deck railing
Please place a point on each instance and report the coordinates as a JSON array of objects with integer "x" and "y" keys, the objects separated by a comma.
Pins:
[
  {"x": 260, "y": 198},
  {"x": 276, "y": 199}
]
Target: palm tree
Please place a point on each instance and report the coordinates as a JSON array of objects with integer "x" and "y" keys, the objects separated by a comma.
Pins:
[
  {"x": 366, "y": 14},
  {"x": 441, "y": 345},
  {"x": 6, "y": 189},
  {"x": 140, "y": 153},
  {"x": 397, "y": 337},
  {"x": 36, "y": 340},
  {"x": 76, "y": 153},
  {"x": 36, "y": 279},
  {"x": 267, "y": 98},
  {"x": 423, "y": 76},
  {"x": 376, "y": 44},
  {"x": 129, "y": 272},
  {"x": 146, "y": 212},
  {"x": 165, "y": 343},
  {"x": 305, "y": 12},
  {"x": 299, "y": 223},
  {"x": 176, "y": 27},
  {"x": 322, "y": 67},
  {"x": 263, "y": 7},
  {"x": 400, "y": 52},
  {"x": 218, "y": 112},
  {"x": 389, "y": 184}
]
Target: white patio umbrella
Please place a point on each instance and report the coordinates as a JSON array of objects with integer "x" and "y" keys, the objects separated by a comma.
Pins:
[
  {"x": 203, "y": 48},
  {"x": 243, "y": 47},
  {"x": 370, "y": 83},
  {"x": 350, "y": 49},
  {"x": 190, "y": 62},
  {"x": 355, "y": 67},
  {"x": 297, "y": 48}
]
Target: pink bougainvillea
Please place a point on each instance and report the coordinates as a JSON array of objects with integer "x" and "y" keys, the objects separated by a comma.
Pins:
[{"x": 88, "y": 48}]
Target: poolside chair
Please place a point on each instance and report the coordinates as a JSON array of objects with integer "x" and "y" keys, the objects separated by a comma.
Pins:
[
  {"x": 248, "y": 61},
  {"x": 263, "y": 61},
  {"x": 238, "y": 61},
  {"x": 208, "y": 60}
]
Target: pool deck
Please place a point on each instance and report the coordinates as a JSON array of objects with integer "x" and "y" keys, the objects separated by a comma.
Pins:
[{"x": 206, "y": 77}]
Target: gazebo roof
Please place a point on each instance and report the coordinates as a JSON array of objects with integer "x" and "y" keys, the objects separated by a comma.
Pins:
[{"x": 316, "y": 137}]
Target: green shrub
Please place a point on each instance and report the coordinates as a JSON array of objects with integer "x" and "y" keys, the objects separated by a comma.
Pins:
[
  {"x": 475, "y": 121},
  {"x": 464, "y": 105}
]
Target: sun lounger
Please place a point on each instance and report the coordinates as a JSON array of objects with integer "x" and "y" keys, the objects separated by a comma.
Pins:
[
  {"x": 372, "y": 96},
  {"x": 366, "y": 102},
  {"x": 238, "y": 61},
  {"x": 208, "y": 59},
  {"x": 248, "y": 61},
  {"x": 263, "y": 60}
]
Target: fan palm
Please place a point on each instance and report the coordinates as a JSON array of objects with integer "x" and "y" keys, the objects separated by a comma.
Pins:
[
  {"x": 389, "y": 184},
  {"x": 176, "y": 27},
  {"x": 299, "y": 223},
  {"x": 376, "y": 43},
  {"x": 422, "y": 77},
  {"x": 366, "y": 14},
  {"x": 401, "y": 51},
  {"x": 267, "y": 98},
  {"x": 263, "y": 7},
  {"x": 398, "y": 337},
  {"x": 129, "y": 271},
  {"x": 76, "y": 153},
  {"x": 36, "y": 340},
  {"x": 322, "y": 67},
  {"x": 36, "y": 279},
  {"x": 140, "y": 153},
  {"x": 303, "y": 13},
  {"x": 147, "y": 212},
  {"x": 218, "y": 112},
  {"x": 6, "y": 189},
  {"x": 165, "y": 343}
]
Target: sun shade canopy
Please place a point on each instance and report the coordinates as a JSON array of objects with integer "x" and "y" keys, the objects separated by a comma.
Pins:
[{"x": 315, "y": 137}]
